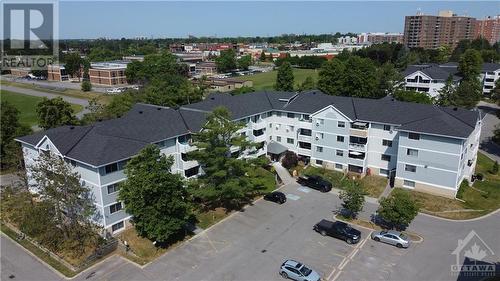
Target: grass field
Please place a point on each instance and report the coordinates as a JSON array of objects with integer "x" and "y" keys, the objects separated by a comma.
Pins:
[
  {"x": 27, "y": 106},
  {"x": 266, "y": 80}
]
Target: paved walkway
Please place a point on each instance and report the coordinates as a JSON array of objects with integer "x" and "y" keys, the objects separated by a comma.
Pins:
[
  {"x": 283, "y": 173},
  {"x": 386, "y": 191}
]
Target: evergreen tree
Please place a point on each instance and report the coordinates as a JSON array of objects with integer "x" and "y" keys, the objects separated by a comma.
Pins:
[
  {"x": 307, "y": 84},
  {"x": 445, "y": 97},
  {"x": 284, "y": 80}
]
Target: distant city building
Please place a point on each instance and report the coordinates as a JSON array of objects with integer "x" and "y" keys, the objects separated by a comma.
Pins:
[
  {"x": 227, "y": 84},
  {"x": 20, "y": 71},
  {"x": 347, "y": 40},
  {"x": 380, "y": 37},
  {"x": 432, "y": 32},
  {"x": 108, "y": 73},
  {"x": 134, "y": 58},
  {"x": 57, "y": 72},
  {"x": 430, "y": 78},
  {"x": 206, "y": 68},
  {"x": 488, "y": 28}
]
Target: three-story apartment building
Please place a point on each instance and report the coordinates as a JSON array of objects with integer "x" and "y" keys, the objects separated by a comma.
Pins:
[{"x": 423, "y": 147}]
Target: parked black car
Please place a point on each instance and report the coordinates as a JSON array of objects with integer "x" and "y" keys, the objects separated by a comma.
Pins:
[
  {"x": 315, "y": 182},
  {"x": 339, "y": 230},
  {"x": 276, "y": 196}
]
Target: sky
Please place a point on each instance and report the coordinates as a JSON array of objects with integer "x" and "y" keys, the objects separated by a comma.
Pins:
[{"x": 160, "y": 19}]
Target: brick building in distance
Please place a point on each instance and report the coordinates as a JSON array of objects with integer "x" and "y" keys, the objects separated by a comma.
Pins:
[
  {"x": 488, "y": 28},
  {"x": 108, "y": 73},
  {"x": 57, "y": 72},
  {"x": 432, "y": 32}
]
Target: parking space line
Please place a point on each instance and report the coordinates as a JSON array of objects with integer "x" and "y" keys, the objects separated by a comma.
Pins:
[
  {"x": 331, "y": 274},
  {"x": 336, "y": 275}
]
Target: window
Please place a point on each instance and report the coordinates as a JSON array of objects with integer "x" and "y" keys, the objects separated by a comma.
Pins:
[
  {"x": 387, "y": 143},
  {"x": 290, "y": 115},
  {"x": 340, "y": 138},
  {"x": 304, "y": 145},
  {"x": 270, "y": 137},
  {"x": 385, "y": 157},
  {"x": 339, "y": 166},
  {"x": 117, "y": 226},
  {"x": 112, "y": 188},
  {"x": 269, "y": 114},
  {"x": 341, "y": 124},
  {"x": 340, "y": 153},
  {"x": 305, "y": 132},
  {"x": 319, "y": 149},
  {"x": 412, "y": 152},
  {"x": 270, "y": 125},
  {"x": 410, "y": 168},
  {"x": 278, "y": 139},
  {"x": 115, "y": 207},
  {"x": 289, "y": 140},
  {"x": 319, "y": 162},
  {"x": 278, "y": 113},
  {"x": 161, "y": 144},
  {"x": 387, "y": 127},
  {"x": 413, "y": 136},
  {"x": 192, "y": 171},
  {"x": 111, "y": 168},
  {"x": 408, "y": 183},
  {"x": 384, "y": 172}
]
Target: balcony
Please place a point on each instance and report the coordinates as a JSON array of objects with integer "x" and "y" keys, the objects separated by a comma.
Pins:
[
  {"x": 186, "y": 147},
  {"x": 356, "y": 155},
  {"x": 359, "y": 129},
  {"x": 258, "y": 125},
  {"x": 357, "y": 143}
]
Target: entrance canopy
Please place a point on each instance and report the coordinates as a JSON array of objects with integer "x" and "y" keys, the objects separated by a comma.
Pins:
[{"x": 276, "y": 148}]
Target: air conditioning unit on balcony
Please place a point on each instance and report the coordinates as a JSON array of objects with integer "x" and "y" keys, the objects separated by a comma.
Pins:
[
  {"x": 317, "y": 138},
  {"x": 317, "y": 123}
]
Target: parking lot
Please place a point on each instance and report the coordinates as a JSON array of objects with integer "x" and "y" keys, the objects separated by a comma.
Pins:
[{"x": 252, "y": 244}]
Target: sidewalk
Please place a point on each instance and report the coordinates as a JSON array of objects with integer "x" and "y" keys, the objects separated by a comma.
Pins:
[{"x": 283, "y": 173}]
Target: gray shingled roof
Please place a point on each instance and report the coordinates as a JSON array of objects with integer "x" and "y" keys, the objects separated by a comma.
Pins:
[
  {"x": 117, "y": 139},
  {"x": 434, "y": 71}
]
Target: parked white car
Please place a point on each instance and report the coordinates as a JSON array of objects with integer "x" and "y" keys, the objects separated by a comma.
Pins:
[{"x": 113, "y": 90}]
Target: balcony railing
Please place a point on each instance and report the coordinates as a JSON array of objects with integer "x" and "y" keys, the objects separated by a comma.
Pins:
[{"x": 357, "y": 146}]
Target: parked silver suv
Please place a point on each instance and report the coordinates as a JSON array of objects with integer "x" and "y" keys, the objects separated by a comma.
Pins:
[{"x": 392, "y": 237}]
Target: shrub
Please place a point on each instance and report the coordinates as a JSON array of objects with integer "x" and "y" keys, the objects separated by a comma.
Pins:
[
  {"x": 494, "y": 169},
  {"x": 86, "y": 86},
  {"x": 290, "y": 160},
  {"x": 463, "y": 186}
]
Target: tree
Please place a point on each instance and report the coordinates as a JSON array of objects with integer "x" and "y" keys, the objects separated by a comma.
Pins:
[
  {"x": 154, "y": 196},
  {"x": 467, "y": 94},
  {"x": 10, "y": 151},
  {"x": 445, "y": 97},
  {"x": 284, "y": 79},
  {"x": 352, "y": 199},
  {"x": 226, "y": 61},
  {"x": 244, "y": 62},
  {"x": 331, "y": 79},
  {"x": 59, "y": 186},
  {"x": 470, "y": 64},
  {"x": 54, "y": 113},
  {"x": 262, "y": 56},
  {"x": 73, "y": 64},
  {"x": 398, "y": 210},
  {"x": 413, "y": 96},
  {"x": 242, "y": 90},
  {"x": 227, "y": 180},
  {"x": 290, "y": 160},
  {"x": 86, "y": 68},
  {"x": 307, "y": 84},
  {"x": 360, "y": 78},
  {"x": 86, "y": 86},
  {"x": 389, "y": 79}
]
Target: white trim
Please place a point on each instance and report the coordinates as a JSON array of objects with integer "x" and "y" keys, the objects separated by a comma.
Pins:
[
  {"x": 430, "y": 134},
  {"x": 430, "y": 150},
  {"x": 334, "y": 108},
  {"x": 428, "y": 167}
]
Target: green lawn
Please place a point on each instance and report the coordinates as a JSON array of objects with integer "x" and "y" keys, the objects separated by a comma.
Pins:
[
  {"x": 482, "y": 198},
  {"x": 372, "y": 185},
  {"x": 266, "y": 80},
  {"x": 27, "y": 106}
]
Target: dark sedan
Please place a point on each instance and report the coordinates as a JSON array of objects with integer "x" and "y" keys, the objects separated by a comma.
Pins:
[{"x": 276, "y": 196}]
